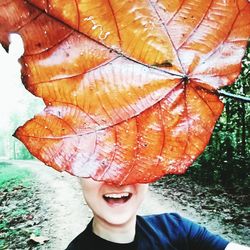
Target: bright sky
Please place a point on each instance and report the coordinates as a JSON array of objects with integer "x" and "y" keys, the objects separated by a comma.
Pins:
[{"x": 14, "y": 98}]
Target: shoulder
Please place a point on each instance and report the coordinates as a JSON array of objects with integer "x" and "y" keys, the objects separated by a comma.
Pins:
[
  {"x": 162, "y": 231},
  {"x": 163, "y": 216},
  {"x": 167, "y": 229},
  {"x": 181, "y": 232},
  {"x": 165, "y": 220},
  {"x": 171, "y": 223}
]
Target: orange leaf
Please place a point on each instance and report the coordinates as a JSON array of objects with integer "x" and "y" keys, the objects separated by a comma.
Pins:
[{"x": 130, "y": 86}]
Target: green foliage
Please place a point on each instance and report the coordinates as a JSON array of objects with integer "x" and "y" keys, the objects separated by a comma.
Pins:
[
  {"x": 17, "y": 207},
  {"x": 12, "y": 176},
  {"x": 10, "y": 147},
  {"x": 226, "y": 160},
  {"x": 21, "y": 152}
]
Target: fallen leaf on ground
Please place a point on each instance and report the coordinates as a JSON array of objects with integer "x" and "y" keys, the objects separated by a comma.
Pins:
[{"x": 38, "y": 239}]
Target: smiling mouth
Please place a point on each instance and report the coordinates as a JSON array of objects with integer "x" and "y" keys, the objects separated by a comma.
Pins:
[{"x": 117, "y": 198}]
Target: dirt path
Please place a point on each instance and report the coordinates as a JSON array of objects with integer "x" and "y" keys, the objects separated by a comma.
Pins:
[{"x": 67, "y": 213}]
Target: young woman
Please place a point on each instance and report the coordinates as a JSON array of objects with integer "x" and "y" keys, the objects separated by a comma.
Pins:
[{"x": 116, "y": 225}]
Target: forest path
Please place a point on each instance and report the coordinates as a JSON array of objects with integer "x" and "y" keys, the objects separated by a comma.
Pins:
[{"x": 66, "y": 213}]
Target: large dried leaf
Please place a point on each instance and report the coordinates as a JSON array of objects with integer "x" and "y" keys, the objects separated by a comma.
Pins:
[{"x": 130, "y": 86}]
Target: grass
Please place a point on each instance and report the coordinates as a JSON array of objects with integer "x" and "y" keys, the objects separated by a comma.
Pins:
[
  {"x": 17, "y": 210},
  {"x": 12, "y": 176}
]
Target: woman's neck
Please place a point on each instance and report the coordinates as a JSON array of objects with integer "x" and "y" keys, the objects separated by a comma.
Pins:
[{"x": 121, "y": 233}]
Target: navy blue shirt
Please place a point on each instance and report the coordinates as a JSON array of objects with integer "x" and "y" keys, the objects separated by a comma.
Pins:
[{"x": 156, "y": 232}]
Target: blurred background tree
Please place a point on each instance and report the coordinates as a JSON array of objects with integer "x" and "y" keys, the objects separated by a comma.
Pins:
[
  {"x": 16, "y": 103},
  {"x": 226, "y": 160}
]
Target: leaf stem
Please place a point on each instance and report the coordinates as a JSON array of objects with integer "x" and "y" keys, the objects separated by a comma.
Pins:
[{"x": 234, "y": 96}]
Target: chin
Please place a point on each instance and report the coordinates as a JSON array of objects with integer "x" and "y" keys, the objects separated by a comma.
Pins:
[
  {"x": 119, "y": 219},
  {"x": 117, "y": 215}
]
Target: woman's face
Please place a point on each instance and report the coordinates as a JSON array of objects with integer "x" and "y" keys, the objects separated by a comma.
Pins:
[{"x": 115, "y": 205}]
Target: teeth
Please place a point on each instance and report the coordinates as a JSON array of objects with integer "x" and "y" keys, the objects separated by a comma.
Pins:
[{"x": 117, "y": 196}]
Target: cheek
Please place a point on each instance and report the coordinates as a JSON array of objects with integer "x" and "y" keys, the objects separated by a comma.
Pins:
[
  {"x": 90, "y": 190},
  {"x": 92, "y": 199},
  {"x": 142, "y": 189}
]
